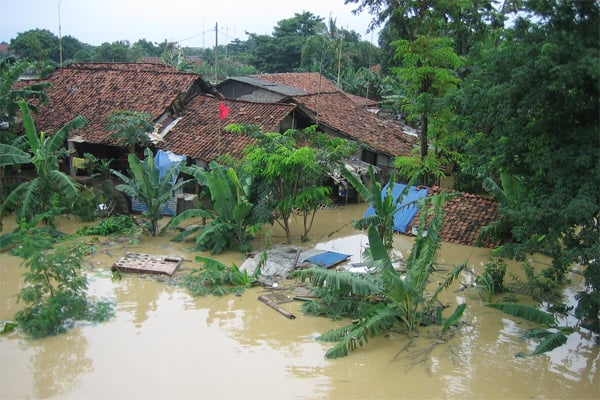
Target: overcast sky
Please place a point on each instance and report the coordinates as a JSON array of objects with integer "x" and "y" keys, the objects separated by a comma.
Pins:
[{"x": 189, "y": 22}]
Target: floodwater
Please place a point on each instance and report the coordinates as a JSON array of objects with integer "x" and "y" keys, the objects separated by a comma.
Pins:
[{"x": 165, "y": 344}]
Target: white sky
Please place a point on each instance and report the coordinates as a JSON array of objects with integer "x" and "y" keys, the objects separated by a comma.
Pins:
[{"x": 190, "y": 22}]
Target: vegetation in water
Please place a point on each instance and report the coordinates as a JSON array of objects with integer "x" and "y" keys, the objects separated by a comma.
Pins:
[
  {"x": 30, "y": 237},
  {"x": 231, "y": 221},
  {"x": 147, "y": 186},
  {"x": 51, "y": 187},
  {"x": 112, "y": 225},
  {"x": 216, "y": 278},
  {"x": 386, "y": 299},
  {"x": 55, "y": 293}
]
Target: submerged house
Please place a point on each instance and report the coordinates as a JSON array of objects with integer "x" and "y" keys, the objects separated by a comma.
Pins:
[
  {"x": 200, "y": 133},
  {"x": 465, "y": 214},
  {"x": 335, "y": 112},
  {"x": 96, "y": 90}
]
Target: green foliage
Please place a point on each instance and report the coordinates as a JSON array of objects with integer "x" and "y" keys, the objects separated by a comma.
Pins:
[
  {"x": 540, "y": 286},
  {"x": 36, "y": 45},
  {"x": 86, "y": 205},
  {"x": 55, "y": 293},
  {"x": 146, "y": 185},
  {"x": 550, "y": 339},
  {"x": 526, "y": 312},
  {"x": 384, "y": 205},
  {"x": 428, "y": 70},
  {"x": 51, "y": 188},
  {"x": 386, "y": 299},
  {"x": 130, "y": 128},
  {"x": 290, "y": 170},
  {"x": 10, "y": 72},
  {"x": 120, "y": 224},
  {"x": 232, "y": 224},
  {"x": 19, "y": 241},
  {"x": 530, "y": 110},
  {"x": 216, "y": 279}
]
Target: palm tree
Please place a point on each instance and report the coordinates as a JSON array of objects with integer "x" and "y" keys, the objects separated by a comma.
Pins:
[
  {"x": 51, "y": 186},
  {"x": 146, "y": 185}
]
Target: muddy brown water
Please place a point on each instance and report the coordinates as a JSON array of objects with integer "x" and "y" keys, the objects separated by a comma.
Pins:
[{"x": 165, "y": 344}]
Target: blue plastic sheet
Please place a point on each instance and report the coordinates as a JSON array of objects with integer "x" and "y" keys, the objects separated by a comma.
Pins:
[
  {"x": 327, "y": 259},
  {"x": 407, "y": 208}
]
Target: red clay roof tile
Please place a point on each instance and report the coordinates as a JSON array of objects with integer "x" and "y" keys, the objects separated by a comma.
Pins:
[
  {"x": 338, "y": 112},
  {"x": 464, "y": 217},
  {"x": 200, "y": 133},
  {"x": 95, "y": 90}
]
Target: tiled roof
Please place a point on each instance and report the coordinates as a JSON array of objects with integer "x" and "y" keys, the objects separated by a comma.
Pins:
[
  {"x": 311, "y": 83},
  {"x": 198, "y": 136},
  {"x": 464, "y": 217},
  {"x": 95, "y": 90},
  {"x": 338, "y": 112}
]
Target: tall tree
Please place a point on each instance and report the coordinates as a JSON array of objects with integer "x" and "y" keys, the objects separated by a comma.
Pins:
[
  {"x": 113, "y": 52},
  {"x": 428, "y": 70},
  {"x": 532, "y": 111},
  {"x": 282, "y": 52},
  {"x": 36, "y": 45},
  {"x": 291, "y": 170}
]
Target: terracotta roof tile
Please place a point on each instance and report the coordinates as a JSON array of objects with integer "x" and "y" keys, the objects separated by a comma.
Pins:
[
  {"x": 464, "y": 217},
  {"x": 95, "y": 90},
  {"x": 338, "y": 112},
  {"x": 198, "y": 136}
]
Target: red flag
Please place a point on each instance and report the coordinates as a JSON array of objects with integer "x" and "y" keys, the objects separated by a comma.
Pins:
[{"x": 223, "y": 111}]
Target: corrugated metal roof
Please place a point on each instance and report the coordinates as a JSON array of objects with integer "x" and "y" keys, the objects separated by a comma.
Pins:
[{"x": 280, "y": 88}]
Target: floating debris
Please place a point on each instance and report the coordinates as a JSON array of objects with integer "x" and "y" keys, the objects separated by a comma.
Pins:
[{"x": 147, "y": 263}]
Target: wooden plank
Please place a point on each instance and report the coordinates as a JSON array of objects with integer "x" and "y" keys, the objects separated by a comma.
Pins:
[
  {"x": 147, "y": 263},
  {"x": 276, "y": 307}
]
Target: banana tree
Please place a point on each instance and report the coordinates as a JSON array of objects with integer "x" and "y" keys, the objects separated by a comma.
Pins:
[
  {"x": 389, "y": 299},
  {"x": 51, "y": 186},
  {"x": 146, "y": 186},
  {"x": 383, "y": 204},
  {"x": 10, "y": 71},
  {"x": 231, "y": 224}
]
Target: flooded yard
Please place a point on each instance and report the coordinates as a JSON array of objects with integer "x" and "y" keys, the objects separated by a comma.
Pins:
[{"x": 164, "y": 343}]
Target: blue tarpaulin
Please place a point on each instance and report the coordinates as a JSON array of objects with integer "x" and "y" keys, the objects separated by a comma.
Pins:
[
  {"x": 406, "y": 208},
  {"x": 327, "y": 258},
  {"x": 164, "y": 160}
]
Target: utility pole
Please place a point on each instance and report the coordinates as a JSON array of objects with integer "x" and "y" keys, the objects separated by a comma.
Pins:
[
  {"x": 60, "y": 50},
  {"x": 216, "y": 55}
]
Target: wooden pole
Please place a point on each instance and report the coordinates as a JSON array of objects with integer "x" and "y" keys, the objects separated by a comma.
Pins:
[{"x": 276, "y": 307}]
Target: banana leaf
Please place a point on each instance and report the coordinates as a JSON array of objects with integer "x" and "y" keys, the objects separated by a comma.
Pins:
[{"x": 526, "y": 312}]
